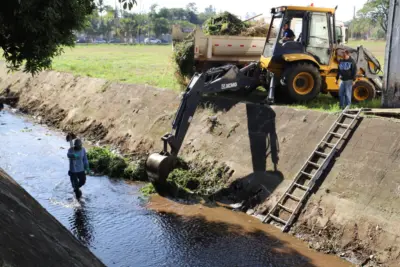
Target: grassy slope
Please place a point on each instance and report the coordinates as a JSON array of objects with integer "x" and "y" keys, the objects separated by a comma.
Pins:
[
  {"x": 153, "y": 65},
  {"x": 129, "y": 64}
]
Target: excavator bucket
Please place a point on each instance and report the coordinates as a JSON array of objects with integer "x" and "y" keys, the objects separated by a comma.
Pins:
[{"x": 158, "y": 167}]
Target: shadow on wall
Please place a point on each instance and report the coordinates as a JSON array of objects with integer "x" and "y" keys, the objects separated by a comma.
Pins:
[
  {"x": 256, "y": 187},
  {"x": 218, "y": 243}
]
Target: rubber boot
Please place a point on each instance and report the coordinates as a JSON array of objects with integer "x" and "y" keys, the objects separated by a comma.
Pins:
[{"x": 78, "y": 193}]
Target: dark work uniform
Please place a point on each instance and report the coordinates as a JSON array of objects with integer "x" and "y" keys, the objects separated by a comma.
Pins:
[
  {"x": 347, "y": 71},
  {"x": 288, "y": 33}
]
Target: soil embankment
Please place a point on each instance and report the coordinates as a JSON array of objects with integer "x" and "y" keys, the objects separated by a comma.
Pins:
[
  {"x": 355, "y": 212},
  {"x": 30, "y": 236}
]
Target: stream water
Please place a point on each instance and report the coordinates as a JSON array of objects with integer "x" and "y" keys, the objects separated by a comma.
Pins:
[{"x": 123, "y": 229}]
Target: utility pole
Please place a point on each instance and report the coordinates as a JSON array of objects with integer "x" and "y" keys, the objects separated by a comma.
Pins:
[{"x": 391, "y": 79}]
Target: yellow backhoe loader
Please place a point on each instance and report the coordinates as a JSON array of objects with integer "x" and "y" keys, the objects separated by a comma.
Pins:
[{"x": 296, "y": 70}]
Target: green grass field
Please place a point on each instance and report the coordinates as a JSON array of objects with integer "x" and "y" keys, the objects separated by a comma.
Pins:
[
  {"x": 153, "y": 65},
  {"x": 121, "y": 63},
  {"x": 375, "y": 47}
]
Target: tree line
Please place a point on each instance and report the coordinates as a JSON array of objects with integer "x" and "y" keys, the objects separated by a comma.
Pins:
[
  {"x": 371, "y": 21},
  {"x": 106, "y": 20}
]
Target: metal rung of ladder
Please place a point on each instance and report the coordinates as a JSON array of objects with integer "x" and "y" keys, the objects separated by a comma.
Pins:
[
  {"x": 321, "y": 154},
  {"x": 350, "y": 115},
  {"x": 278, "y": 219},
  {"x": 302, "y": 186},
  {"x": 336, "y": 134},
  {"x": 329, "y": 144},
  {"x": 293, "y": 197},
  {"x": 314, "y": 164},
  {"x": 343, "y": 125},
  {"x": 308, "y": 174},
  {"x": 297, "y": 183},
  {"x": 285, "y": 208}
]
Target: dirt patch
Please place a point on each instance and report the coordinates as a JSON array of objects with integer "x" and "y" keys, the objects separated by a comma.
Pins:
[
  {"x": 262, "y": 147},
  {"x": 30, "y": 236}
]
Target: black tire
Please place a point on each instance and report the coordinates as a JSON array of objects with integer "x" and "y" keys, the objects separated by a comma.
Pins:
[
  {"x": 302, "y": 82},
  {"x": 363, "y": 91}
]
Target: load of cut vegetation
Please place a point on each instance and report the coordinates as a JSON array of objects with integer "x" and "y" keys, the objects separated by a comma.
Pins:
[
  {"x": 257, "y": 29},
  {"x": 224, "y": 24},
  {"x": 184, "y": 59},
  {"x": 104, "y": 162}
]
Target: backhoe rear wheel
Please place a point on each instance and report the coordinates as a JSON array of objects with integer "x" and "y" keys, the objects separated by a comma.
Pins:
[
  {"x": 303, "y": 82},
  {"x": 363, "y": 91}
]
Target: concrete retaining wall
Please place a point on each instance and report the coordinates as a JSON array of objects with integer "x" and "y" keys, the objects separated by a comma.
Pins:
[{"x": 30, "y": 236}]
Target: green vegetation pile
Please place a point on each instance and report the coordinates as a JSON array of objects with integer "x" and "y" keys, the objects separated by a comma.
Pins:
[
  {"x": 103, "y": 162},
  {"x": 257, "y": 29},
  {"x": 191, "y": 181},
  {"x": 186, "y": 181},
  {"x": 184, "y": 59},
  {"x": 224, "y": 24}
]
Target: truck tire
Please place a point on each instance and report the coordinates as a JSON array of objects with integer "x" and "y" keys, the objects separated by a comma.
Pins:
[
  {"x": 363, "y": 91},
  {"x": 302, "y": 82}
]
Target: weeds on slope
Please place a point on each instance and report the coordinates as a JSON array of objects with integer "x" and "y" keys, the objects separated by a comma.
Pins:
[{"x": 328, "y": 103}]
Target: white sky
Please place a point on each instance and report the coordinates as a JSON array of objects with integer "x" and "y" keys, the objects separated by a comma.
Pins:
[{"x": 240, "y": 8}]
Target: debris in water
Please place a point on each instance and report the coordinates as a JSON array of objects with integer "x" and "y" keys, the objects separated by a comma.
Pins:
[{"x": 26, "y": 129}]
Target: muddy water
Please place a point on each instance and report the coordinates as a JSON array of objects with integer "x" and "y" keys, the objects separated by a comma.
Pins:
[{"x": 123, "y": 229}]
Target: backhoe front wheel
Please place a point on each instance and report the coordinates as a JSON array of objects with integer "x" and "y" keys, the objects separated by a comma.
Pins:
[
  {"x": 302, "y": 81},
  {"x": 363, "y": 91}
]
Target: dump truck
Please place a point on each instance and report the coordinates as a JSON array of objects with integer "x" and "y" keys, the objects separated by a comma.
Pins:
[
  {"x": 297, "y": 69},
  {"x": 217, "y": 50}
]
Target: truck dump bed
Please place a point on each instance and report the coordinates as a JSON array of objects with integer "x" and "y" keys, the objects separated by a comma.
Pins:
[
  {"x": 239, "y": 49},
  {"x": 221, "y": 49}
]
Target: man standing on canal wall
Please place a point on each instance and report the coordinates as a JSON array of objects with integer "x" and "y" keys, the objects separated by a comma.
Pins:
[{"x": 347, "y": 73}]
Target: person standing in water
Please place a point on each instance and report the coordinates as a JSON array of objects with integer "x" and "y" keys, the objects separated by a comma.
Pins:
[{"x": 78, "y": 165}]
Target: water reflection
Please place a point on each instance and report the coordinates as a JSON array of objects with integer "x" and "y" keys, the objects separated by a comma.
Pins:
[{"x": 81, "y": 226}]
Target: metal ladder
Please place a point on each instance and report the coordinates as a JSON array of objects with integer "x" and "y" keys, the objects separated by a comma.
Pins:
[{"x": 289, "y": 205}]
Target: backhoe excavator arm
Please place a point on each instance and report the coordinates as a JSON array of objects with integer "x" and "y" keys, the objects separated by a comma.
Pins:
[{"x": 215, "y": 80}]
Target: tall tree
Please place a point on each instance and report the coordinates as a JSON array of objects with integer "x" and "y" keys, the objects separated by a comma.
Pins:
[
  {"x": 33, "y": 32},
  {"x": 128, "y": 27},
  {"x": 92, "y": 25},
  {"x": 160, "y": 26},
  {"x": 192, "y": 7},
  {"x": 192, "y": 13},
  {"x": 377, "y": 11}
]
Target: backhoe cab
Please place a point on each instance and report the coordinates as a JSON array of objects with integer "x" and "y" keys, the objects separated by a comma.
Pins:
[{"x": 307, "y": 64}]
